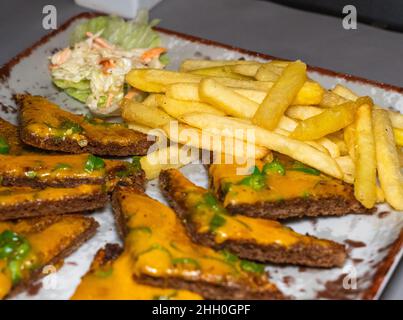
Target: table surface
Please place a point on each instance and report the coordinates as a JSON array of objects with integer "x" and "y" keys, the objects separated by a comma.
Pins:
[{"x": 256, "y": 25}]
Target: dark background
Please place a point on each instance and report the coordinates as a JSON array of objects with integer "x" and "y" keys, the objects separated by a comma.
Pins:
[{"x": 263, "y": 26}]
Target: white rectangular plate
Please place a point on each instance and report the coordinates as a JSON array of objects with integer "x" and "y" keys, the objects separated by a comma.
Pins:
[{"x": 374, "y": 242}]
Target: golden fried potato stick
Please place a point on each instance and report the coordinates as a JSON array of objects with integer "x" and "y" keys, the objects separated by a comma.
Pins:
[
  {"x": 295, "y": 149},
  {"x": 365, "y": 158},
  {"x": 280, "y": 96},
  {"x": 395, "y": 117},
  {"x": 226, "y": 99},
  {"x": 329, "y": 121},
  {"x": 388, "y": 164}
]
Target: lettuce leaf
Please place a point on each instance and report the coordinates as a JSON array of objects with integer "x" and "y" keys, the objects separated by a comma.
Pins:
[
  {"x": 80, "y": 95},
  {"x": 63, "y": 84},
  {"x": 136, "y": 33}
]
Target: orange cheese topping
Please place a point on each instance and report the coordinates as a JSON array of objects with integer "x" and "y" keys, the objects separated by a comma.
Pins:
[
  {"x": 293, "y": 184},
  {"x": 203, "y": 209},
  {"x": 160, "y": 247},
  {"x": 9, "y": 132},
  {"x": 114, "y": 281},
  {"x": 49, "y": 167},
  {"x": 46, "y": 120},
  {"x": 13, "y": 195},
  {"x": 47, "y": 237}
]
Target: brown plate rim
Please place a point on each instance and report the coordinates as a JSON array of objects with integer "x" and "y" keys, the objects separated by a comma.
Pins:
[{"x": 384, "y": 267}]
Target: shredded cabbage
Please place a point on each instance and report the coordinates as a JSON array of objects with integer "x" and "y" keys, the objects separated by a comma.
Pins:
[{"x": 127, "y": 35}]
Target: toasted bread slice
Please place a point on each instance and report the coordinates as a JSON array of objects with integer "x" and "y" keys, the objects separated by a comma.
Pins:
[
  {"x": 9, "y": 138},
  {"x": 24, "y": 202},
  {"x": 164, "y": 256},
  {"x": 46, "y": 126},
  {"x": 110, "y": 278},
  {"x": 208, "y": 223},
  {"x": 282, "y": 189},
  {"x": 31, "y": 248},
  {"x": 66, "y": 171}
]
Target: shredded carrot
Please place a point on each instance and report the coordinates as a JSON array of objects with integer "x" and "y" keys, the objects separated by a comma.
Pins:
[
  {"x": 106, "y": 65},
  {"x": 109, "y": 99},
  {"x": 152, "y": 53}
]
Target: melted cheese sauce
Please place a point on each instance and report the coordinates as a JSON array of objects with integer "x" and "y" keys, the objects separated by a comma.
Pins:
[
  {"x": 47, "y": 239},
  {"x": 114, "y": 281},
  {"x": 13, "y": 195},
  {"x": 46, "y": 167},
  {"x": 294, "y": 184},
  {"x": 10, "y": 133},
  {"x": 235, "y": 227},
  {"x": 159, "y": 247},
  {"x": 44, "y": 119}
]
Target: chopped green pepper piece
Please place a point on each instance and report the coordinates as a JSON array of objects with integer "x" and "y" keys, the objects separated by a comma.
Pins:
[
  {"x": 257, "y": 180},
  {"x": 186, "y": 261},
  {"x": 14, "y": 248},
  {"x": 70, "y": 125},
  {"x": 250, "y": 266},
  {"x": 274, "y": 166},
  {"x": 4, "y": 147},
  {"x": 93, "y": 163},
  {"x": 31, "y": 174},
  {"x": 228, "y": 256},
  {"x": 136, "y": 164},
  {"x": 216, "y": 221},
  {"x": 299, "y": 166}
]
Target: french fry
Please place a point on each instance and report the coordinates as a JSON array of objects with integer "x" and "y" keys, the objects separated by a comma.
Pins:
[
  {"x": 148, "y": 116},
  {"x": 280, "y": 96},
  {"x": 193, "y": 64},
  {"x": 341, "y": 144},
  {"x": 220, "y": 71},
  {"x": 350, "y": 139},
  {"x": 400, "y": 155},
  {"x": 177, "y": 108},
  {"x": 194, "y": 137},
  {"x": 190, "y": 92},
  {"x": 159, "y": 81},
  {"x": 346, "y": 165},
  {"x": 329, "y": 121},
  {"x": 365, "y": 158},
  {"x": 269, "y": 72},
  {"x": 311, "y": 93},
  {"x": 174, "y": 156},
  {"x": 331, "y": 99},
  {"x": 298, "y": 150},
  {"x": 388, "y": 165},
  {"x": 225, "y": 99},
  {"x": 151, "y": 100},
  {"x": 395, "y": 117},
  {"x": 303, "y": 112},
  {"x": 330, "y": 146},
  {"x": 287, "y": 124},
  {"x": 246, "y": 69},
  {"x": 398, "y": 136}
]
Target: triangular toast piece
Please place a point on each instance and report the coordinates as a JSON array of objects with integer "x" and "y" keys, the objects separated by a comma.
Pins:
[
  {"x": 209, "y": 223},
  {"x": 45, "y": 125},
  {"x": 162, "y": 254},
  {"x": 282, "y": 189},
  {"x": 31, "y": 248},
  {"x": 110, "y": 278},
  {"x": 25, "y": 202},
  {"x": 41, "y": 170}
]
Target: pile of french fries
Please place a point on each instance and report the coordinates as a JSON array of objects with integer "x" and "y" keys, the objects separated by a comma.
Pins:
[{"x": 335, "y": 131}]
